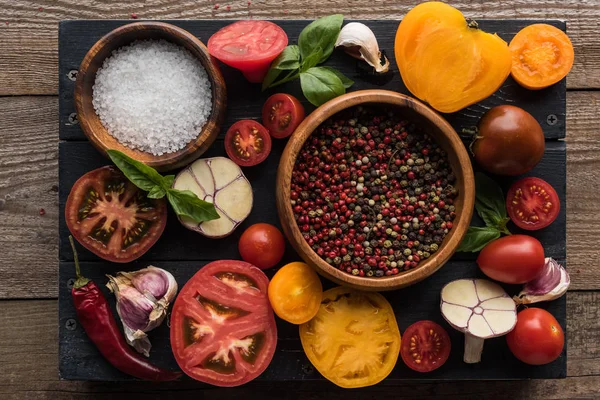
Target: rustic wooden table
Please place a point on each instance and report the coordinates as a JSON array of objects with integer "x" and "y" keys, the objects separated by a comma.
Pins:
[{"x": 29, "y": 201}]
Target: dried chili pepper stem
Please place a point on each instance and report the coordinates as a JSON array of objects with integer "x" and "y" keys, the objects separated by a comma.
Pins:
[{"x": 80, "y": 280}]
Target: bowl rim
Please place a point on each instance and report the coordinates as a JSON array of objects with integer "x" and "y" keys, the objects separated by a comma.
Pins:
[
  {"x": 283, "y": 189},
  {"x": 209, "y": 132}
]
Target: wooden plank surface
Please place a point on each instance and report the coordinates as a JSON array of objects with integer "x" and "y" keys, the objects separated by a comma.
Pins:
[
  {"x": 28, "y": 28},
  {"x": 29, "y": 353},
  {"x": 29, "y": 182}
]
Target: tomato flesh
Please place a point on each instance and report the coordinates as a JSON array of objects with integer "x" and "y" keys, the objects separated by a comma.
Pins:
[
  {"x": 112, "y": 217},
  {"x": 247, "y": 143},
  {"x": 249, "y": 46},
  {"x": 262, "y": 245},
  {"x": 532, "y": 203},
  {"x": 223, "y": 330},
  {"x": 425, "y": 346},
  {"x": 537, "y": 338},
  {"x": 354, "y": 339},
  {"x": 281, "y": 114},
  {"x": 295, "y": 293},
  {"x": 513, "y": 259}
]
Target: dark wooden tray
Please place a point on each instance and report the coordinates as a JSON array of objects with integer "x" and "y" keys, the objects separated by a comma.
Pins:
[{"x": 184, "y": 252}]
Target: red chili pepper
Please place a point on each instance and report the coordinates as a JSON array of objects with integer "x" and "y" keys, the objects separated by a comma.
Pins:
[{"x": 95, "y": 316}]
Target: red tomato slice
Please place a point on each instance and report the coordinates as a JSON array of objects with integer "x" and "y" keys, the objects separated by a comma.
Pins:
[
  {"x": 111, "y": 217},
  {"x": 247, "y": 143},
  {"x": 425, "y": 346},
  {"x": 281, "y": 114},
  {"x": 532, "y": 203},
  {"x": 223, "y": 330},
  {"x": 249, "y": 46}
]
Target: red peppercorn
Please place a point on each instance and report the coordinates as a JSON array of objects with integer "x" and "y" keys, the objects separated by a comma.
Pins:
[
  {"x": 449, "y": 225},
  {"x": 410, "y": 175},
  {"x": 372, "y": 262},
  {"x": 361, "y": 273}
]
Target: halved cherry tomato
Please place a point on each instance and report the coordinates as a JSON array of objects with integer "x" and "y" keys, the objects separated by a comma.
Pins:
[
  {"x": 249, "y": 46},
  {"x": 295, "y": 293},
  {"x": 425, "y": 347},
  {"x": 354, "y": 339},
  {"x": 113, "y": 218},
  {"x": 223, "y": 330},
  {"x": 281, "y": 114},
  {"x": 532, "y": 203},
  {"x": 262, "y": 245},
  {"x": 247, "y": 143},
  {"x": 537, "y": 338}
]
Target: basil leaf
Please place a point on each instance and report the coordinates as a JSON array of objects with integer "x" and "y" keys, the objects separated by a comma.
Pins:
[
  {"x": 270, "y": 78},
  {"x": 312, "y": 60},
  {"x": 156, "y": 192},
  {"x": 322, "y": 33},
  {"x": 141, "y": 175},
  {"x": 490, "y": 218},
  {"x": 168, "y": 180},
  {"x": 347, "y": 82},
  {"x": 488, "y": 194},
  {"x": 288, "y": 59},
  {"x": 320, "y": 85},
  {"x": 477, "y": 237},
  {"x": 186, "y": 203}
]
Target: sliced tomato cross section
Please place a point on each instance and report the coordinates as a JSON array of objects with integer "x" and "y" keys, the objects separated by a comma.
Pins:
[
  {"x": 426, "y": 346},
  {"x": 281, "y": 114},
  {"x": 247, "y": 143},
  {"x": 222, "y": 326},
  {"x": 532, "y": 203},
  {"x": 112, "y": 217}
]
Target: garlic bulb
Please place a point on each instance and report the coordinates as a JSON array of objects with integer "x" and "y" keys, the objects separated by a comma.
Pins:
[
  {"x": 360, "y": 42},
  {"x": 143, "y": 298},
  {"x": 552, "y": 283}
]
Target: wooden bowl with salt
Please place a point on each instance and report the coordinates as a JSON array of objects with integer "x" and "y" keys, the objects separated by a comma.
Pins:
[
  {"x": 443, "y": 134},
  {"x": 97, "y": 133}
]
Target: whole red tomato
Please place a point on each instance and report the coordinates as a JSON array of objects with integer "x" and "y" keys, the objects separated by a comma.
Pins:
[
  {"x": 537, "y": 338},
  {"x": 512, "y": 259},
  {"x": 262, "y": 245}
]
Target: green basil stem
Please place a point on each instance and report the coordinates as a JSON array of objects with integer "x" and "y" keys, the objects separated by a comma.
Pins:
[{"x": 289, "y": 77}]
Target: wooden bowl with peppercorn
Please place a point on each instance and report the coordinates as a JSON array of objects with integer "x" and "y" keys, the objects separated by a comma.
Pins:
[
  {"x": 375, "y": 190},
  {"x": 152, "y": 91}
]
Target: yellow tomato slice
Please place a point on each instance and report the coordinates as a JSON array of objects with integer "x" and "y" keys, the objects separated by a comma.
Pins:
[
  {"x": 295, "y": 293},
  {"x": 354, "y": 339}
]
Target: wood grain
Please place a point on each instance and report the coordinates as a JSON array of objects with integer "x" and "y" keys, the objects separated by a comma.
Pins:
[
  {"x": 29, "y": 178},
  {"x": 29, "y": 40},
  {"x": 29, "y": 351}
]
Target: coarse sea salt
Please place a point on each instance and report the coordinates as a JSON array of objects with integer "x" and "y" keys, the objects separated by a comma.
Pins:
[{"x": 153, "y": 96}]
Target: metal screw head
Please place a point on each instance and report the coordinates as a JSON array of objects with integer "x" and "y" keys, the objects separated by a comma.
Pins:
[
  {"x": 72, "y": 75},
  {"x": 71, "y": 324},
  {"x": 73, "y": 119},
  {"x": 552, "y": 119},
  {"x": 70, "y": 283}
]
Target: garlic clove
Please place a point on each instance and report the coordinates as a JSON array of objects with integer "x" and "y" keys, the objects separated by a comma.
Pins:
[
  {"x": 552, "y": 283},
  {"x": 360, "y": 42},
  {"x": 155, "y": 283}
]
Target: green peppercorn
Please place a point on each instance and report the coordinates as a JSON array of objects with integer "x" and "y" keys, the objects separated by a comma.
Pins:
[
  {"x": 407, "y": 252},
  {"x": 337, "y": 260},
  {"x": 433, "y": 247},
  {"x": 355, "y": 271},
  {"x": 347, "y": 258},
  {"x": 370, "y": 274},
  {"x": 387, "y": 244},
  {"x": 426, "y": 254},
  {"x": 389, "y": 231}
]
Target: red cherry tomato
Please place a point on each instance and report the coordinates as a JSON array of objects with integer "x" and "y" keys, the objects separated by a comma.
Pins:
[
  {"x": 537, "y": 338},
  {"x": 512, "y": 259},
  {"x": 262, "y": 245},
  {"x": 249, "y": 46},
  {"x": 247, "y": 143},
  {"x": 532, "y": 203},
  {"x": 425, "y": 346},
  {"x": 281, "y": 114},
  {"x": 223, "y": 330}
]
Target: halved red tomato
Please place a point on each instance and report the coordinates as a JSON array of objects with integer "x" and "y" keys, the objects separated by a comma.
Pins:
[
  {"x": 425, "y": 346},
  {"x": 249, "y": 46},
  {"x": 222, "y": 326},
  {"x": 113, "y": 218},
  {"x": 281, "y": 114},
  {"x": 247, "y": 143},
  {"x": 532, "y": 203}
]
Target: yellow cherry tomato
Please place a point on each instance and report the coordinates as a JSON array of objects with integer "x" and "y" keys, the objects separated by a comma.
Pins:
[
  {"x": 354, "y": 339},
  {"x": 295, "y": 293}
]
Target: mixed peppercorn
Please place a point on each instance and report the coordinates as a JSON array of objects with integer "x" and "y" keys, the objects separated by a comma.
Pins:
[{"x": 372, "y": 194}]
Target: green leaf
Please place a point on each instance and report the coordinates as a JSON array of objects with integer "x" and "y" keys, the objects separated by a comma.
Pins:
[
  {"x": 157, "y": 192},
  {"x": 320, "y": 85},
  {"x": 141, "y": 175},
  {"x": 477, "y": 237},
  {"x": 347, "y": 82},
  {"x": 186, "y": 203},
  {"x": 288, "y": 59},
  {"x": 488, "y": 194},
  {"x": 488, "y": 216},
  {"x": 168, "y": 180},
  {"x": 320, "y": 33},
  {"x": 312, "y": 60},
  {"x": 270, "y": 78}
]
